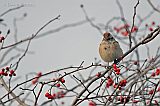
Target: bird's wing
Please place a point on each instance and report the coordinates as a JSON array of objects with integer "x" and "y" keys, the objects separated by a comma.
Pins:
[
  {"x": 116, "y": 44},
  {"x": 118, "y": 49}
]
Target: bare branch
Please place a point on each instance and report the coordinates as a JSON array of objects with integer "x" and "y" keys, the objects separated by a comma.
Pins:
[
  {"x": 12, "y": 9},
  {"x": 157, "y": 10}
]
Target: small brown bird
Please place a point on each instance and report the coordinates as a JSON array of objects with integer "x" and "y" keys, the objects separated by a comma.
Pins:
[{"x": 109, "y": 48}]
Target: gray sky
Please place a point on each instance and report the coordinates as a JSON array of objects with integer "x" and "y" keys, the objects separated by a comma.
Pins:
[{"x": 72, "y": 45}]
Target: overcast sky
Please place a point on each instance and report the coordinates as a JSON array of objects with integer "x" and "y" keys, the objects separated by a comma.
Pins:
[{"x": 72, "y": 45}]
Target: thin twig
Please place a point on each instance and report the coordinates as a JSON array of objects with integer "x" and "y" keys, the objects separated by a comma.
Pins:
[
  {"x": 11, "y": 10},
  {"x": 133, "y": 22},
  {"x": 149, "y": 1}
]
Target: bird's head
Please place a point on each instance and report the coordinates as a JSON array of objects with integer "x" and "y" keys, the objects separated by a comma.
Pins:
[{"x": 107, "y": 36}]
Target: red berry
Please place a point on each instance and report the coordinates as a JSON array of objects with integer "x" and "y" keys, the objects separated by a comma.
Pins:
[
  {"x": 47, "y": 94},
  {"x": 126, "y": 25},
  {"x": 134, "y": 29},
  {"x": 121, "y": 99},
  {"x": 118, "y": 72},
  {"x": 136, "y": 62},
  {"x": 7, "y": 68},
  {"x": 54, "y": 95},
  {"x": 158, "y": 90},
  {"x": 5, "y": 74},
  {"x": 11, "y": 72},
  {"x": 60, "y": 94},
  {"x": 153, "y": 74},
  {"x": 151, "y": 29},
  {"x": 3, "y": 69},
  {"x": 2, "y": 72},
  {"x": 2, "y": 38},
  {"x": 153, "y": 23},
  {"x": 151, "y": 92},
  {"x": 50, "y": 97},
  {"x": 117, "y": 29},
  {"x": 58, "y": 85},
  {"x": 115, "y": 85},
  {"x": 119, "y": 87},
  {"x": 109, "y": 82},
  {"x": 157, "y": 71},
  {"x": 123, "y": 83},
  {"x": 14, "y": 74},
  {"x": 91, "y": 103},
  {"x": 62, "y": 103},
  {"x": 125, "y": 33},
  {"x": 62, "y": 80},
  {"x": 39, "y": 74},
  {"x": 114, "y": 66},
  {"x": 98, "y": 74},
  {"x": 107, "y": 85},
  {"x": 34, "y": 81}
]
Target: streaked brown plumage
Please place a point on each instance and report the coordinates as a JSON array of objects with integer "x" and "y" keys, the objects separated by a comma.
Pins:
[{"x": 109, "y": 48}]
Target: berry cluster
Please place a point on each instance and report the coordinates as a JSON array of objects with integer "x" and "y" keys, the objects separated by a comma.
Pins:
[
  {"x": 123, "y": 99},
  {"x": 60, "y": 94},
  {"x": 6, "y": 71},
  {"x": 153, "y": 90},
  {"x": 151, "y": 26},
  {"x": 156, "y": 73},
  {"x": 123, "y": 28},
  {"x": 116, "y": 69},
  {"x": 35, "y": 80},
  {"x": 62, "y": 80},
  {"x": 121, "y": 84},
  {"x": 123, "y": 31},
  {"x": 109, "y": 82}
]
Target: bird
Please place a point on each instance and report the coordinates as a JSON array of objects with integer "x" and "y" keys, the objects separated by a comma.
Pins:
[{"x": 109, "y": 48}]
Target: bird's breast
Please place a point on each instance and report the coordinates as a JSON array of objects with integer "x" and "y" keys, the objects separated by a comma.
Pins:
[{"x": 107, "y": 51}]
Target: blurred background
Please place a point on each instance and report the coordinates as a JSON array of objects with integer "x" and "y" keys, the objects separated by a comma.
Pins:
[{"x": 73, "y": 39}]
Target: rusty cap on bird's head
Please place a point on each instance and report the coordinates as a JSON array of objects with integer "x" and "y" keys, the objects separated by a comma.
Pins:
[{"x": 107, "y": 36}]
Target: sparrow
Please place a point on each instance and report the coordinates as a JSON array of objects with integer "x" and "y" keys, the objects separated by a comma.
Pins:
[{"x": 109, "y": 48}]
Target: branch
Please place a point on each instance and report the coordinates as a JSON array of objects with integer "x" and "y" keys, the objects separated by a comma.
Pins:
[
  {"x": 154, "y": 8},
  {"x": 13, "y": 95},
  {"x": 133, "y": 21},
  {"x": 12, "y": 9},
  {"x": 147, "y": 39},
  {"x": 63, "y": 27},
  {"x": 40, "y": 91},
  {"x": 33, "y": 36},
  {"x": 91, "y": 23},
  {"x": 87, "y": 86}
]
